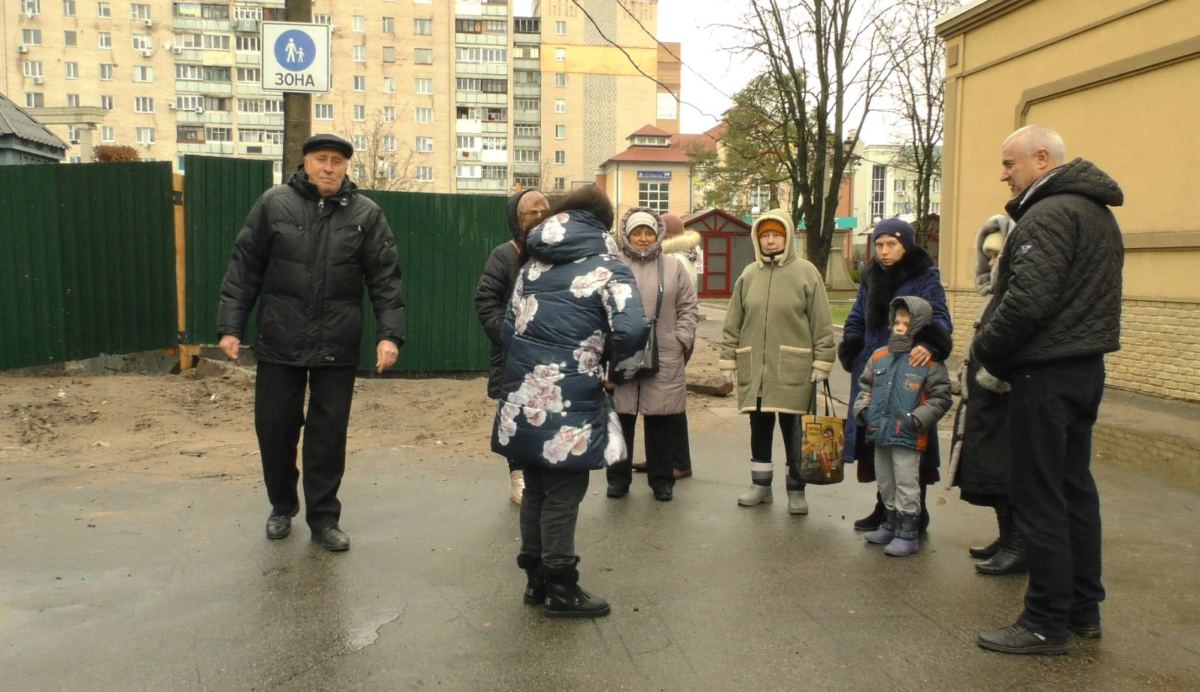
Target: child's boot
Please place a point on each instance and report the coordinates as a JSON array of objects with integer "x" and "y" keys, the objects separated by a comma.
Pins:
[
  {"x": 761, "y": 473},
  {"x": 887, "y": 529},
  {"x": 905, "y": 541}
]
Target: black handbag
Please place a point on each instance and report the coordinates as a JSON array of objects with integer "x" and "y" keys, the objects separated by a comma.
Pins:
[{"x": 649, "y": 366}]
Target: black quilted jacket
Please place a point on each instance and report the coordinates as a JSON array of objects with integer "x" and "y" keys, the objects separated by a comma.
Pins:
[
  {"x": 305, "y": 260},
  {"x": 1058, "y": 293}
]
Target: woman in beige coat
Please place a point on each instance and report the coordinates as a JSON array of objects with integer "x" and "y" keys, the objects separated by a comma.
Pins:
[
  {"x": 660, "y": 398},
  {"x": 778, "y": 339}
]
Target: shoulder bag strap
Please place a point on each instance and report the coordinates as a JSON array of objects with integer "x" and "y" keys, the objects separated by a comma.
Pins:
[{"x": 658, "y": 303}]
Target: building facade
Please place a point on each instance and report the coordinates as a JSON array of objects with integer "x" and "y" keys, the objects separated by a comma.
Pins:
[
  {"x": 885, "y": 187},
  {"x": 437, "y": 95},
  {"x": 1116, "y": 80}
]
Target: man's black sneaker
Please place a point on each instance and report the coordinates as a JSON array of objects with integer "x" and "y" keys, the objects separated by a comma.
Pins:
[{"x": 1016, "y": 639}]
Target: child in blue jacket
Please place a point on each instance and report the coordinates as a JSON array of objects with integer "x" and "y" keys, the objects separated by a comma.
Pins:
[{"x": 900, "y": 404}]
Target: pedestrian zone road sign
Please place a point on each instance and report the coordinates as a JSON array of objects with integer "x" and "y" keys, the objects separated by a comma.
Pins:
[{"x": 295, "y": 57}]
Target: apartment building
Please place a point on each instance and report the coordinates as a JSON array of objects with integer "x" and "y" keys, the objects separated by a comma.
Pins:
[
  {"x": 885, "y": 186},
  {"x": 437, "y": 95}
]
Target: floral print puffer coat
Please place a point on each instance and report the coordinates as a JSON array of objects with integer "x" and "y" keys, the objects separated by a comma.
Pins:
[{"x": 575, "y": 309}]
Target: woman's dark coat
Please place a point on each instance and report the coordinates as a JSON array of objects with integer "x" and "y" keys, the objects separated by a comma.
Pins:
[{"x": 495, "y": 289}]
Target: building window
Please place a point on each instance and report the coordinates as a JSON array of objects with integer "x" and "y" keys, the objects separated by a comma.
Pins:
[
  {"x": 494, "y": 144},
  {"x": 142, "y": 42},
  {"x": 145, "y": 136},
  {"x": 423, "y": 27},
  {"x": 935, "y": 207},
  {"x": 654, "y": 196},
  {"x": 140, "y": 10},
  {"x": 217, "y": 73},
  {"x": 425, "y": 174},
  {"x": 143, "y": 104},
  {"x": 494, "y": 172},
  {"x": 31, "y": 68},
  {"x": 358, "y": 23},
  {"x": 423, "y": 116},
  {"x": 878, "y": 192},
  {"x": 218, "y": 134},
  {"x": 189, "y": 73},
  {"x": 324, "y": 111},
  {"x": 526, "y": 181},
  {"x": 73, "y": 102},
  {"x": 424, "y": 144},
  {"x": 106, "y": 72},
  {"x": 560, "y": 131},
  {"x": 248, "y": 43},
  {"x": 108, "y": 133},
  {"x": 560, "y": 79},
  {"x": 360, "y": 112},
  {"x": 68, "y": 8},
  {"x": 249, "y": 75},
  {"x": 560, "y": 54},
  {"x": 526, "y": 155},
  {"x": 527, "y": 105},
  {"x": 560, "y": 183},
  {"x": 533, "y": 131},
  {"x": 935, "y": 186},
  {"x": 467, "y": 142},
  {"x": 34, "y": 99},
  {"x": 104, "y": 39},
  {"x": 106, "y": 102},
  {"x": 360, "y": 82},
  {"x": 389, "y": 54},
  {"x": 389, "y": 25},
  {"x": 481, "y": 54},
  {"x": 72, "y": 69},
  {"x": 389, "y": 114},
  {"x": 900, "y": 185},
  {"x": 560, "y": 105},
  {"x": 32, "y": 37},
  {"x": 145, "y": 73},
  {"x": 389, "y": 85},
  {"x": 104, "y": 10},
  {"x": 70, "y": 39},
  {"x": 360, "y": 53},
  {"x": 470, "y": 171},
  {"x": 560, "y": 157},
  {"x": 468, "y": 26},
  {"x": 215, "y": 42},
  {"x": 422, "y": 56},
  {"x": 560, "y": 28},
  {"x": 325, "y": 19}
]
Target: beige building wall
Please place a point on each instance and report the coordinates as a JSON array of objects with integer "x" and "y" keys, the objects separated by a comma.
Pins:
[
  {"x": 621, "y": 180},
  {"x": 1116, "y": 78}
]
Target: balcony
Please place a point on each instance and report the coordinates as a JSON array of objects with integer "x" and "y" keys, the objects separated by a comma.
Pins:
[
  {"x": 527, "y": 90},
  {"x": 494, "y": 157},
  {"x": 205, "y": 118},
  {"x": 483, "y": 69},
  {"x": 495, "y": 128},
  {"x": 479, "y": 98},
  {"x": 205, "y": 148},
  {"x": 526, "y": 117},
  {"x": 203, "y": 87},
  {"x": 248, "y": 26},
  {"x": 183, "y": 23},
  {"x": 245, "y": 57},
  {"x": 261, "y": 149},
  {"x": 527, "y": 167},
  {"x": 481, "y": 39},
  {"x": 482, "y": 185},
  {"x": 469, "y": 127}
]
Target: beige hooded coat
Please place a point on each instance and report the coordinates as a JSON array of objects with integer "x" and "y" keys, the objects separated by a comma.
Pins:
[
  {"x": 665, "y": 392},
  {"x": 778, "y": 328}
]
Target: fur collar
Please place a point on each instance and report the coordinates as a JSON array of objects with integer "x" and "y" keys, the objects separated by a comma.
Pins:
[
  {"x": 882, "y": 283},
  {"x": 683, "y": 242}
]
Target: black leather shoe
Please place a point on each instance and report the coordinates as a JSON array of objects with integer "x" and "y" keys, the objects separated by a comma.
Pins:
[
  {"x": 663, "y": 494},
  {"x": 985, "y": 552},
  {"x": 1015, "y": 639},
  {"x": 332, "y": 539},
  {"x": 1006, "y": 561},
  {"x": 617, "y": 491},
  {"x": 1092, "y": 631},
  {"x": 872, "y": 520},
  {"x": 570, "y": 601},
  {"x": 278, "y": 526}
]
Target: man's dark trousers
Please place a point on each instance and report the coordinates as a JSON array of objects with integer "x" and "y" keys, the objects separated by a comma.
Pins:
[
  {"x": 1052, "y": 408},
  {"x": 278, "y": 417}
]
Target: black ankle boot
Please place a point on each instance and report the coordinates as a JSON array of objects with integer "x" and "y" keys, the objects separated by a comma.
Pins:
[
  {"x": 987, "y": 551},
  {"x": 564, "y": 598},
  {"x": 1010, "y": 559},
  {"x": 535, "y": 580},
  {"x": 874, "y": 519}
]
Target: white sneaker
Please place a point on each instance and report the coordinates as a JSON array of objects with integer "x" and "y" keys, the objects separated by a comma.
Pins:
[
  {"x": 516, "y": 480},
  {"x": 796, "y": 502},
  {"x": 757, "y": 495}
]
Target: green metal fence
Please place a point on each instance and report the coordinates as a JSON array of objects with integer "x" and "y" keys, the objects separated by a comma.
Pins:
[
  {"x": 86, "y": 261},
  {"x": 218, "y": 194}
]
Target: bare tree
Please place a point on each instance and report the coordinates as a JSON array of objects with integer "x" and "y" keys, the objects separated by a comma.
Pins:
[
  {"x": 827, "y": 65},
  {"x": 917, "y": 90},
  {"x": 383, "y": 162}
]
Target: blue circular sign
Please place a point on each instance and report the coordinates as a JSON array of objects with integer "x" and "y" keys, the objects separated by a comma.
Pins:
[{"x": 295, "y": 50}]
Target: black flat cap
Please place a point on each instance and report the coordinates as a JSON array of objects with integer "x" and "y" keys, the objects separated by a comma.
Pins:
[{"x": 328, "y": 141}]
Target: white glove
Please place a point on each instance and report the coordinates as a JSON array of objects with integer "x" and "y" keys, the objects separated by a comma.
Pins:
[
  {"x": 819, "y": 375},
  {"x": 727, "y": 375}
]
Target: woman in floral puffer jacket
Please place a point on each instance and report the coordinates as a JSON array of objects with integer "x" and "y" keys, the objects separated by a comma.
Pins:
[{"x": 575, "y": 310}]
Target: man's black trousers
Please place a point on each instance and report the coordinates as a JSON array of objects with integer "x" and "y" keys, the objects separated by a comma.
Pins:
[
  {"x": 279, "y": 415},
  {"x": 1052, "y": 408}
]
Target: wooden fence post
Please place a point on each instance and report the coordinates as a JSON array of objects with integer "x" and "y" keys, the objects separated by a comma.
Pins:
[{"x": 188, "y": 353}]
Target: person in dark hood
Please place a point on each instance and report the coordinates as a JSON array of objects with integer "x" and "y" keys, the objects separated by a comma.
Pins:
[
  {"x": 305, "y": 253},
  {"x": 900, "y": 267},
  {"x": 1057, "y": 312},
  {"x": 526, "y": 209},
  {"x": 900, "y": 404}
]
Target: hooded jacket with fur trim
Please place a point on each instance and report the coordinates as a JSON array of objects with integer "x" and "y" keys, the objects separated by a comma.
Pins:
[
  {"x": 495, "y": 288},
  {"x": 778, "y": 328}
]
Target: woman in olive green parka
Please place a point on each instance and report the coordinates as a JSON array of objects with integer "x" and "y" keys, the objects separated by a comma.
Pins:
[{"x": 778, "y": 339}]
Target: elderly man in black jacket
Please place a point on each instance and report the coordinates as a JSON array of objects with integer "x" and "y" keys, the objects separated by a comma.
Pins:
[
  {"x": 526, "y": 209},
  {"x": 1058, "y": 311},
  {"x": 304, "y": 255}
]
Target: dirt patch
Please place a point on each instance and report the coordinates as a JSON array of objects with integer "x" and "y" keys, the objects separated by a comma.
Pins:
[{"x": 201, "y": 423}]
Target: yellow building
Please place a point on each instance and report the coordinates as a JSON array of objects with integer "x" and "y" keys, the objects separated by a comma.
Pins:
[
  {"x": 437, "y": 95},
  {"x": 1118, "y": 79},
  {"x": 652, "y": 173}
]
